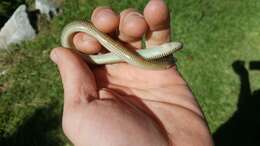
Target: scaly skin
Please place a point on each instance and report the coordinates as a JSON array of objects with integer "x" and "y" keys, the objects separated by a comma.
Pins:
[{"x": 156, "y": 58}]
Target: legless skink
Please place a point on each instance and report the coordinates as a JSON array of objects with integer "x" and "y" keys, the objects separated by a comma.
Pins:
[{"x": 155, "y": 58}]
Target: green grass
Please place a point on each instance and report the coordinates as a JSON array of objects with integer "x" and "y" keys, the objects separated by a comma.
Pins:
[{"x": 215, "y": 34}]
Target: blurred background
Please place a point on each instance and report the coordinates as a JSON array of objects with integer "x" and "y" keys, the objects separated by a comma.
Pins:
[{"x": 220, "y": 61}]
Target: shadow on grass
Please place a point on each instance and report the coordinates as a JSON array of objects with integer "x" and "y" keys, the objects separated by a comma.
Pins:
[
  {"x": 243, "y": 128},
  {"x": 7, "y": 8},
  {"x": 38, "y": 130}
]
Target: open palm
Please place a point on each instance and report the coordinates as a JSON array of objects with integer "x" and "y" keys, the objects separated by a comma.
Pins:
[{"x": 120, "y": 104}]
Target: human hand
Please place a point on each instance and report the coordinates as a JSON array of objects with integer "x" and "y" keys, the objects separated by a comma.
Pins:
[{"x": 120, "y": 104}]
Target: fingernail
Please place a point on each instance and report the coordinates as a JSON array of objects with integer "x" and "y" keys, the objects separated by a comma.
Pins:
[
  {"x": 132, "y": 15},
  {"x": 97, "y": 10},
  {"x": 54, "y": 56}
]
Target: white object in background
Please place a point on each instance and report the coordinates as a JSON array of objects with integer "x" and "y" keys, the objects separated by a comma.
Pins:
[{"x": 47, "y": 7}]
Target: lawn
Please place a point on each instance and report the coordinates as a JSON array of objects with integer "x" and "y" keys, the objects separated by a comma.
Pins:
[{"x": 217, "y": 35}]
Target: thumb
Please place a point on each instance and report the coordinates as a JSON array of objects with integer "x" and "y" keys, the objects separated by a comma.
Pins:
[{"x": 78, "y": 80}]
